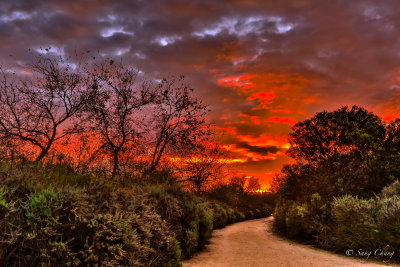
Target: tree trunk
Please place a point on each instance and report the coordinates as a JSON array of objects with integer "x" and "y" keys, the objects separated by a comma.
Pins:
[
  {"x": 45, "y": 149},
  {"x": 198, "y": 187},
  {"x": 155, "y": 163},
  {"x": 116, "y": 165},
  {"x": 42, "y": 154}
]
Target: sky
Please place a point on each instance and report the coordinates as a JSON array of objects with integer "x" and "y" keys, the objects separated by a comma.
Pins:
[{"x": 260, "y": 65}]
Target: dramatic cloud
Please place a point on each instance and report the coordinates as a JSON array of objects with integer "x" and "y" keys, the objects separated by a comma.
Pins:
[{"x": 261, "y": 65}]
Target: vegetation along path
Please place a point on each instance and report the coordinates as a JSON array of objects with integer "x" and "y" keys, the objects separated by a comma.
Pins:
[{"x": 252, "y": 243}]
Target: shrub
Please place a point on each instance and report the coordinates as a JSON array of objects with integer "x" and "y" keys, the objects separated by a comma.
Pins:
[
  {"x": 206, "y": 218},
  {"x": 51, "y": 216},
  {"x": 42, "y": 226},
  {"x": 388, "y": 215},
  {"x": 181, "y": 213},
  {"x": 231, "y": 218},
  {"x": 220, "y": 216},
  {"x": 356, "y": 225},
  {"x": 297, "y": 221},
  {"x": 250, "y": 215},
  {"x": 239, "y": 216},
  {"x": 257, "y": 213},
  {"x": 367, "y": 223},
  {"x": 391, "y": 190}
]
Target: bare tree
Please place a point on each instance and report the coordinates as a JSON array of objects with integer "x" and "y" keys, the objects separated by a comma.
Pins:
[
  {"x": 238, "y": 182},
  {"x": 114, "y": 112},
  {"x": 253, "y": 184},
  {"x": 179, "y": 122},
  {"x": 39, "y": 110},
  {"x": 203, "y": 167}
]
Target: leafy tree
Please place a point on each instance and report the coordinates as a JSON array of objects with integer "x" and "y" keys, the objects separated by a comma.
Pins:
[
  {"x": 349, "y": 151},
  {"x": 337, "y": 152},
  {"x": 342, "y": 131},
  {"x": 390, "y": 154}
]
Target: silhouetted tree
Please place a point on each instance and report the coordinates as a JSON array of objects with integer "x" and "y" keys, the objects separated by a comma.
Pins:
[
  {"x": 114, "y": 112},
  {"x": 339, "y": 132},
  {"x": 349, "y": 151},
  {"x": 338, "y": 152},
  {"x": 253, "y": 184},
  {"x": 392, "y": 143},
  {"x": 179, "y": 122},
  {"x": 238, "y": 182},
  {"x": 40, "y": 109},
  {"x": 203, "y": 167}
]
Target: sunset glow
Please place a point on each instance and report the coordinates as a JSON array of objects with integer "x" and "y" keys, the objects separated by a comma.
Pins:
[{"x": 261, "y": 66}]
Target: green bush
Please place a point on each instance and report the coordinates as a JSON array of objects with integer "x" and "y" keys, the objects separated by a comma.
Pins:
[
  {"x": 251, "y": 205},
  {"x": 388, "y": 219},
  {"x": 51, "y": 216},
  {"x": 179, "y": 210},
  {"x": 391, "y": 190},
  {"x": 303, "y": 220},
  {"x": 366, "y": 224},
  {"x": 240, "y": 216},
  {"x": 206, "y": 224},
  {"x": 250, "y": 215},
  {"x": 356, "y": 224},
  {"x": 298, "y": 221},
  {"x": 231, "y": 215},
  {"x": 220, "y": 216},
  {"x": 42, "y": 226}
]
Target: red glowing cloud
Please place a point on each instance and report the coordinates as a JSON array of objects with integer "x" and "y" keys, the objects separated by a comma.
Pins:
[
  {"x": 276, "y": 101},
  {"x": 264, "y": 140},
  {"x": 245, "y": 155},
  {"x": 263, "y": 97},
  {"x": 242, "y": 82},
  {"x": 255, "y": 120},
  {"x": 252, "y": 62},
  {"x": 287, "y": 120}
]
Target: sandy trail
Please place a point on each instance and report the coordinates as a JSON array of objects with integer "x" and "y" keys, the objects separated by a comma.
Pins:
[{"x": 252, "y": 243}]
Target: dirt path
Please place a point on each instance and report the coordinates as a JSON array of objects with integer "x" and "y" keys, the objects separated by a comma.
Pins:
[{"x": 252, "y": 243}]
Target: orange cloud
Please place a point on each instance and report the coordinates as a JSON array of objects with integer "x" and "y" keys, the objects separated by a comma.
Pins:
[
  {"x": 263, "y": 97},
  {"x": 287, "y": 120},
  {"x": 254, "y": 119},
  {"x": 242, "y": 82},
  {"x": 311, "y": 99},
  {"x": 264, "y": 140},
  {"x": 248, "y": 155},
  {"x": 280, "y": 92},
  {"x": 389, "y": 110},
  {"x": 229, "y": 130},
  {"x": 277, "y": 101},
  {"x": 389, "y": 118},
  {"x": 281, "y": 110},
  {"x": 280, "y": 82}
]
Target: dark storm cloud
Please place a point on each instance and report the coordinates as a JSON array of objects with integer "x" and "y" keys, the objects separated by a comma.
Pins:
[
  {"x": 258, "y": 149},
  {"x": 259, "y": 64}
]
